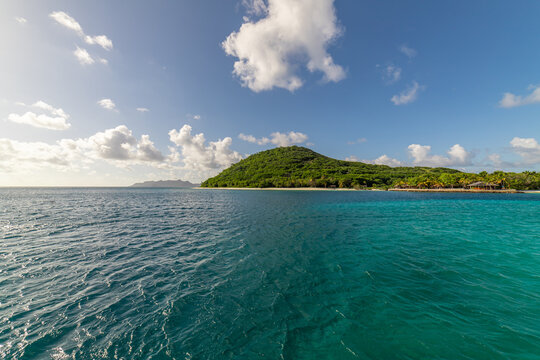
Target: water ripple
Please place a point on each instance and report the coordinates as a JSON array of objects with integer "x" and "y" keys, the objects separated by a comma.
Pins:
[{"x": 186, "y": 274}]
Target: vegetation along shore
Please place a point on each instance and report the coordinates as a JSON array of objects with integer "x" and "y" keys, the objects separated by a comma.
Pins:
[{"x": 299, "y": 167}]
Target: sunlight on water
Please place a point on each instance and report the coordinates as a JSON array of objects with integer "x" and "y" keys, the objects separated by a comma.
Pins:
[{"x": 207, "y": 274}]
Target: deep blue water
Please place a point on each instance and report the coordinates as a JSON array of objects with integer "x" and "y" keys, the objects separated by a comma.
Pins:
[{"x": 214, "y": 274}]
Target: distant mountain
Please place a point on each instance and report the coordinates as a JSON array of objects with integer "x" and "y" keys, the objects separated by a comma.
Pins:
[
  {"x": 296, "y": 166},
  {"x": 165, "y": 184}
]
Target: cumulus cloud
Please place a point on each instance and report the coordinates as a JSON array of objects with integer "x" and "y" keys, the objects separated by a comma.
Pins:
[
  {"x": 56, "y": 119},
  {"x": 67, "y": 21},
  {"x": 495, "y": 161},
  {"x": 119, "y": 144},
  {"x": 142, "y": 109},
  {"x": 409, "y": 52},
  {"x": 252, "y": 139},
  {"x": 510, "y": 100},
  {"x": 107, "y": 104},
  {"x": 277, "y": 138},
  {"x": 387, "y": 160},
  {"x": 457, "y": 156},
  {"x": 527, "y": 148},
  {"x": 197, "y": 155},
  {"x": 381, "y": 160},
  {"x": 407, "y": 96},
  {"x": 292, "y": 33},
  {"x": 21, "y": 20},
  {"x": 83, "y": 56},
  {"x": 255, "y": 7},
  {"x": 191, "y": 154},
  {"x": 15, "y": 154}
]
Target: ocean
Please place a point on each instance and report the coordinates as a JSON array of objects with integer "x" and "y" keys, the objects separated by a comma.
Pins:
[{"x": 229, "y": 274}]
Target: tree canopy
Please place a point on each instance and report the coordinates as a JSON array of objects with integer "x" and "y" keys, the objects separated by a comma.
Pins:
[{"x": 296, "y": 166}]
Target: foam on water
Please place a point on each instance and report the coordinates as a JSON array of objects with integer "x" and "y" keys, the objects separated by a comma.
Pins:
[{"x": 193, "y": 274}]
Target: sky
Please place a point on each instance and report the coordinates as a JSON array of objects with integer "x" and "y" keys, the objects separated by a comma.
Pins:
[{"x": 108, "y": 93}]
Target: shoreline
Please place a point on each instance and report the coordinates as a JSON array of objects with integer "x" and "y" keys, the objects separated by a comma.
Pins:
[
  {"x": 508, "y": 191},
  {"x": 280, "y": 189}
]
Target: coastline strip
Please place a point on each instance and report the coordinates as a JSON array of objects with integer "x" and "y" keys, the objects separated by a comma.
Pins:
[{"x": 507, "y": 191}]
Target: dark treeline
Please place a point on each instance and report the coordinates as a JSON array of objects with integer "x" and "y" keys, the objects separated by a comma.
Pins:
[{"x": 301, "y": 167}]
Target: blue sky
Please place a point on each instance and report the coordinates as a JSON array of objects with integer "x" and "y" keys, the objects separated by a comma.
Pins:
[{"x": 393, "y": 82}]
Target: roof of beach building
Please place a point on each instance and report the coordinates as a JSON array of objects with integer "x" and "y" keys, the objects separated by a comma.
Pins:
[{"x": 481, "y": 183}]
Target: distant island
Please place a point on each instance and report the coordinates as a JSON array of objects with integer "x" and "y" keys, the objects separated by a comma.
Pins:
[
  {"x": 300, "y": 167},
  {"x": 165, "y": 184}
]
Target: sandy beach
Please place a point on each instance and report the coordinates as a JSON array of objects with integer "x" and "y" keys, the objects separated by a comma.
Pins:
[
  {"x": 508, "y": 191},
  {"x": 280, "y": 189}
]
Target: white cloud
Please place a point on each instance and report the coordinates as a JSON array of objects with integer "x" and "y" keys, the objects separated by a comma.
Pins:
[
  {"x": 197, "y": 155},
  {"x": 269, "y": 50},
  {"x": 407, "y": 96},
  {"x": 510, "y": 100},
  {"x": 392, "y": 73},
  {"x": 255, "y": 7},
  {"x": 83, "y": 56},
  {"x": 381, "y": 160},
  {"x": 100, "y": 40},
  {"x": 55, "y": 120},
  {"x": 107, "y": 104},
  {"x": 52, "y": 110},
  {"x": 119, "y": 144},
  {"x": 192, "y": 158},
  {"x": 277, "y": 138},
  {"x": 142, "y": 109},
  {"x": 40, "y": 121},
  {"x": 15, "y": 155},
  {"x": 527, "y": 148},
  {"x": 67, "y": 21},
  {"x": 250, "y": 138},
  {"x": 196, "y": 117},
  {"x": 282, "y": 139},
  {"x": 495, "y": 161},
  {"x": 457, "y": 155},
  {"x": 386, "y": 160},
  {"x": 21, "y": 20},
  {"x": 409, "y": 52}
]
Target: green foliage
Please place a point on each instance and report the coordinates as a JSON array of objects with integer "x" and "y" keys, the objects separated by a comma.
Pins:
[
  {"x": 296, "y": 166},
  {"x": 528, "y": 180}
]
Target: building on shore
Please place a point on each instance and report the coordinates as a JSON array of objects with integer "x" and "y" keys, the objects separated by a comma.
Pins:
[{"x": 480, "y": 185}]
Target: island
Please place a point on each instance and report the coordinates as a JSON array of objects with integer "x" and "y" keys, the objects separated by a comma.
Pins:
[
  {"x": 165, "y": 184},
  {"x": 300, "y": 167}
]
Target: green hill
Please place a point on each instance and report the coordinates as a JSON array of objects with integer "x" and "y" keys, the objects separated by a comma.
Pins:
[{"x": 296, "y": 166}]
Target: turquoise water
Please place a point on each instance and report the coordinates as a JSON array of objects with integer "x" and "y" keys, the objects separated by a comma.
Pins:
[{"x": 211, "y": 274}]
